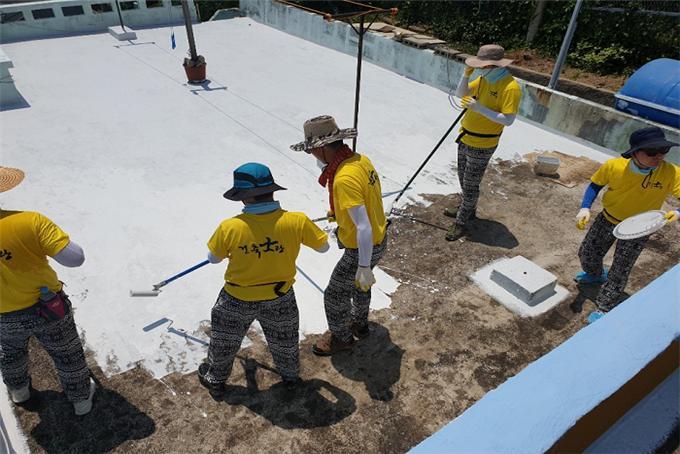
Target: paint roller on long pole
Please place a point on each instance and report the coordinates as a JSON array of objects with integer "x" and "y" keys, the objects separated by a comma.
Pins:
[
  {"x": 157, "y": 288},
  {"x": 453, "y": 125}
]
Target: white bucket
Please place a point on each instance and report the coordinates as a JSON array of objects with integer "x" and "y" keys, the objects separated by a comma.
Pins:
[{"x": 546, "y": 165}]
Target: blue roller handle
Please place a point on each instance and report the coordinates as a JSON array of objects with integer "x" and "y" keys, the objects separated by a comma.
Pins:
[{"x": 183, "y": 273}]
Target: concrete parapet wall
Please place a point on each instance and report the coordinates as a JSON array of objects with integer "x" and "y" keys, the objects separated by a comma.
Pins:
[
  {"x": 87, "y": 22},
  {"x": 595, "y": 123}
]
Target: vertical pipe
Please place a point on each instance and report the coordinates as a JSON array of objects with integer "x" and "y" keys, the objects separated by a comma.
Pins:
[
  {"x": 360, "y": 52},
  {"x": 564, "y": 50},
  {"x": 190, "y": 30},
  {"x": 120, "y": 16}
]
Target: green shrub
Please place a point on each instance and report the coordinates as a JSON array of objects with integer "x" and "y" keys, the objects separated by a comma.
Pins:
[{"x": 607, "y": 60}]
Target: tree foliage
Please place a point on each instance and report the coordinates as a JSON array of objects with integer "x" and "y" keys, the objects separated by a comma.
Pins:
[{"x": 611, "y": 37}]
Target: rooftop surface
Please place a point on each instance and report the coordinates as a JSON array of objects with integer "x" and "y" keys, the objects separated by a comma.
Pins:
[{"x": 132, "y": 162}]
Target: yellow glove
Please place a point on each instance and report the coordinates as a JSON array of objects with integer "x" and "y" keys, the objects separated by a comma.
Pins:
[
  {"x": 582, "y": 218},
  {"x": 468, "y": 71},
  {"x": 330, "y": 216},
  {"x": 364, "y": 278},
  {"x": 671, "y": 216},
  {"x": 468, "y": 102}
]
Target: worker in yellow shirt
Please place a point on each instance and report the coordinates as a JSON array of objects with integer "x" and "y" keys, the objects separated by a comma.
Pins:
[
  {"x": 492, "y": 101},
  {"x": 355, "y": 199},
  {"x": 33, "y": 303},
  {"x": 262, "y": 245},
  {"x": 638, "y": 181}
]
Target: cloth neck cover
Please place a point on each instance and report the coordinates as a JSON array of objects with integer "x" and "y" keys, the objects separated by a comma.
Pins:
[
  {"x": 636, "y": 169},
  {"x": 261, "y": 208},
  {"x": 494, "y": 75}
]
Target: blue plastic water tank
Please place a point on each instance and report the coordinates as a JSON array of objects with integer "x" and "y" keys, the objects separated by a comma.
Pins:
[{"x": 653, "y": 92}]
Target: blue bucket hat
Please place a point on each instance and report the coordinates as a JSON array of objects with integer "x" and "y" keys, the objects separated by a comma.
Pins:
[
  {"x": 646, "y": 139},
  {"x": 251, "y": 180}
]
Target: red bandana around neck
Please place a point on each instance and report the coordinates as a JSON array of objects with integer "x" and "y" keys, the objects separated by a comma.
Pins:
[{"x": 328, "y": 174}]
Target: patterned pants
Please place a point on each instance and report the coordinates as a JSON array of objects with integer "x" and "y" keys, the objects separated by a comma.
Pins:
[
  {"x": 472, "y": 164},
  {"x": 59, "y": 338},
  {"x": 342, "y": 299},
  {"x": 230, "y": 321},
  {"x": 595, "y": 245}
]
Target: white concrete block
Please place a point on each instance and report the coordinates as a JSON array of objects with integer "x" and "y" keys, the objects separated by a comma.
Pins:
[
  {"x": 483, "y": 278},
  {"x": 524, "y": 279},
  {"x": 121, "y": 34}
]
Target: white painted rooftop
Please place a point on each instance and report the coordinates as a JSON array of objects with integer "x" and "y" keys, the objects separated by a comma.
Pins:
[{"x": 132, "y": 162}]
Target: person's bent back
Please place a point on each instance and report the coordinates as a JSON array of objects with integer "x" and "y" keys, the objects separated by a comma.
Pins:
[{"x": 32, "y": 302}]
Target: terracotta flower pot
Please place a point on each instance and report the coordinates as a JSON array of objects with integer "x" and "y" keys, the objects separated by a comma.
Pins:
[{"x": 195, "y": 74}]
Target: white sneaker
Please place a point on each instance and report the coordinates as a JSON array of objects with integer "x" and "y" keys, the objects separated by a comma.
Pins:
[
  {"x": 83, "y": 407},
  {"x": 20, "y": 395}
]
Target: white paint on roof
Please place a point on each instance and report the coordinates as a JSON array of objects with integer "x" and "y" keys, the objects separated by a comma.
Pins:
[{"x": 132, "y": 162}]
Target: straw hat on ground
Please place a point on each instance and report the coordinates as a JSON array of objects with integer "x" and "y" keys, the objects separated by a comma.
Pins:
[
  {"x": 488, "y": 55},
  {"x": 320, "y": 131},
  {"x": 9, "y": 178}
]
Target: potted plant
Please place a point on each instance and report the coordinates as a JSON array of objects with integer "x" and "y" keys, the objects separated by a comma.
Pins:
[{"x": 195, "y": 69}]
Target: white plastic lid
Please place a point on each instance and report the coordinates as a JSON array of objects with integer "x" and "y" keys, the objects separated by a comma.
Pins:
[{"x": 640, "y": 225}]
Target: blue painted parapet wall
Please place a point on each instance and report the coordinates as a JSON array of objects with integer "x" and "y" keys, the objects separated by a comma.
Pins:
[
  {"x": 530, "y": 412},
  {"x": 36, "y": 20},
  {"x": 601, "y": 125}
]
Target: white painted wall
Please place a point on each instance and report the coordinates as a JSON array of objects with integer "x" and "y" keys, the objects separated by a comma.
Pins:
[
  {"x": 89, "y": 22},
  {"x": 598, "y": 124}
]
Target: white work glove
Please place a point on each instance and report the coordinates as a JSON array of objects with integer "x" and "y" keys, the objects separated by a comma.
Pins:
[
  {"x": 364, "y": 278},
  {"x": 469, "y": 103},
  {"x": 582, "y": 218}
]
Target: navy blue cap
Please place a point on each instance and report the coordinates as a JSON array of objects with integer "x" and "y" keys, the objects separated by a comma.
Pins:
[
  {"x": 647, "y": 139},
  {"x": 250, "y": 180}
]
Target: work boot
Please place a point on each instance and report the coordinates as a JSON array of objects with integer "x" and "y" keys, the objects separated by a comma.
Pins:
[
  {"x": 21, "y": 395},
  {"x": 329, "y": 345},
  {"x": 217, "y": 391},
  {"x": 595, "y": 316},
  {"x": 453, "y": 213},
  {"x": 83, "y": 407},
  {"x": 584, "y": 278},
  {"x": 360, "y": 330},
  {"x": 455, "y": 232}
]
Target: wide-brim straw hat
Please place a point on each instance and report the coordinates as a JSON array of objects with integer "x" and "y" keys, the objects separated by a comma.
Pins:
[
  {"x": 320, "y": 131},
  {"x": 489, "y": 55},
  {"x": 10, "y": 177}
]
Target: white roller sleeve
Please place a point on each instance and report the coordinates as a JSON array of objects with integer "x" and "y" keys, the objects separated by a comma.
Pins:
[{"x": 364, "y": 234}]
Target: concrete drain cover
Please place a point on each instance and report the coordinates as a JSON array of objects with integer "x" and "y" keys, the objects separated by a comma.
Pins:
[{"x": 520, "y": 285}]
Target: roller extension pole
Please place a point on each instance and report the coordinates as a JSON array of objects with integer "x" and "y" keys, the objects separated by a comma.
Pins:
[
  {"x": 453, "y": 125},
  {"x": 360, "y": 53}
]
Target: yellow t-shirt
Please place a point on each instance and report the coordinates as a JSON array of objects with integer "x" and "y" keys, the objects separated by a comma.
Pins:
[
  {"x": 357, "y": 183},
  {"x": 630, "y": 193},
  {"x": 262, "y": 249},
  {"x": 502, "y": 96},
  {"x": 26, "y": 239}
]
